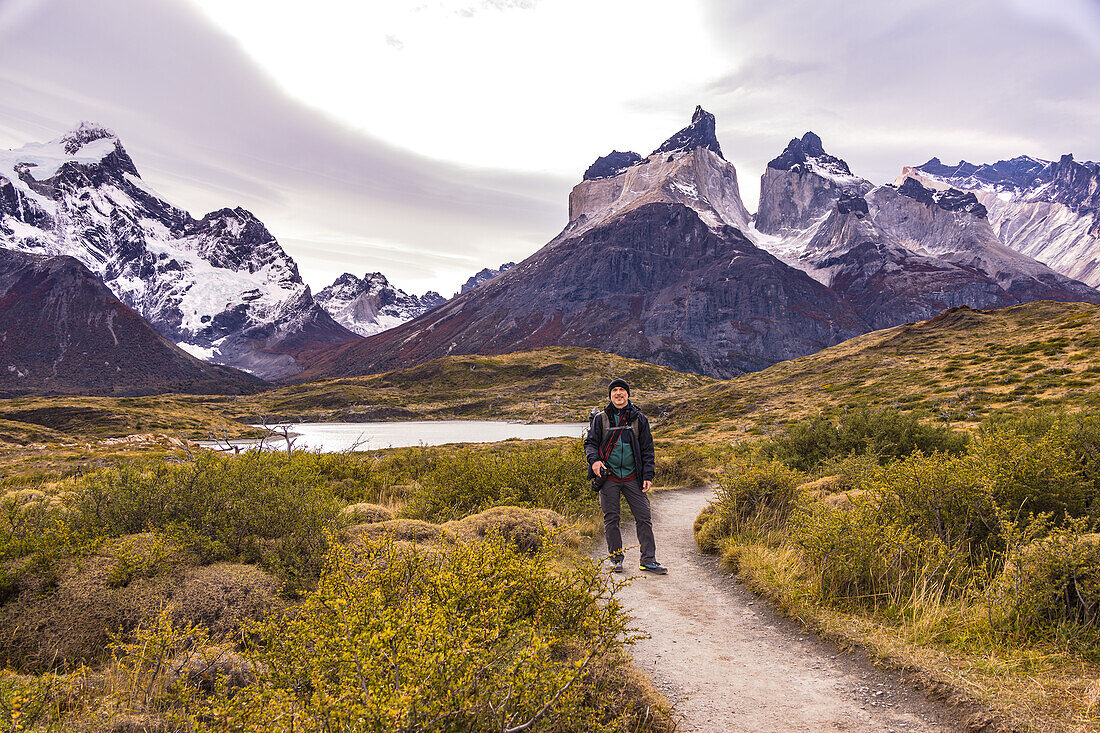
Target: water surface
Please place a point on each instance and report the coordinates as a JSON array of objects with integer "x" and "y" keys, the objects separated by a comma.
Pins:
[{"x": 333, "y": 437}]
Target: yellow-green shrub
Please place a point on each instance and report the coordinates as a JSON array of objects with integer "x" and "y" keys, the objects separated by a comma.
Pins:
[
  {"x": 481, "y": 637},
  {"x": 1050, "y": 582},
  {"x": 1035, "y": 474},
  {"x": 467, "y": 481},
  {"x": 761, "y": 492},
  {"x": 861, "y": 553},
  {"x": 885, "y": 433}
]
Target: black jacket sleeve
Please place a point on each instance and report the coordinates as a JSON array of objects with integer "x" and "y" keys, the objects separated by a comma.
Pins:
[
  {"x": 645, "y": 442},
  {"x": 592, "y": 441}
]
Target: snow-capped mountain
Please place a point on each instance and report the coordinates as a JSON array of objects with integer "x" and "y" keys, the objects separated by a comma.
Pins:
[
  {"x": 370, "y": 305},
  {"x": 661, "y": 261},
  {"x": 898, "y": 252},
  {"x": 220, "y": 287},
  {"x": 485, "y": 274},
  {"x": 653, "y": 265},
  {"x": 1047, "y": 210}
]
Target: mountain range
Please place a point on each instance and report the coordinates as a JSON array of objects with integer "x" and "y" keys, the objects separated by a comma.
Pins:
[
  {"x": 660, "y": 260},
  {"x": 1049, "y": 210},
  {"x": 220, "y": 287},
  {"x": 371, "y": 304}
]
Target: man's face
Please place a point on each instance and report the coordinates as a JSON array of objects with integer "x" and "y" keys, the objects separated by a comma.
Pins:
[{"x": 619, "y": 397}]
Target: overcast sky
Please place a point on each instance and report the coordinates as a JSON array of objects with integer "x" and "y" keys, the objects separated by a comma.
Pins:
[{"x": 430, "y": 139}]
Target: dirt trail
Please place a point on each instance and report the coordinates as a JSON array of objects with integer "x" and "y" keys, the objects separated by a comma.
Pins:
[{"x": 728, "y": 662}]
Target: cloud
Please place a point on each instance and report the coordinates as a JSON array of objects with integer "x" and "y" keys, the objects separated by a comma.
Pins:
[
  {"x": 759, "y": 72},
  {"x": 209, "y": 129},
  {"x": 892, "y": 84}
]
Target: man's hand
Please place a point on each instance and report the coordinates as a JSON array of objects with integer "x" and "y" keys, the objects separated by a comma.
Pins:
[
  {"x": 646, "y": 485},
  {"x": 597, "y": 468}
]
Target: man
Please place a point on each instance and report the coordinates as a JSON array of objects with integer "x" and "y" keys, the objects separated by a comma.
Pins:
[{"x": 619, "y": 447}]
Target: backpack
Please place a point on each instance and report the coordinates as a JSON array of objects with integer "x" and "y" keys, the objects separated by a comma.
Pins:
[{"x": 598, "y": 481}]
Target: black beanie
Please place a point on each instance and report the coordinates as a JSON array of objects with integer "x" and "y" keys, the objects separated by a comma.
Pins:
[{"x": 616, "y": 382}]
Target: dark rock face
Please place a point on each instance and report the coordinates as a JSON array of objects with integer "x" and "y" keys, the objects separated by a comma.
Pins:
[
  {"x": 852, "y": 204},
  {"x": 950, "y": 200},
  {"x": 485, "y": 274},
  {"x": 63, "y": 332},
  {"x": 611, "y": 165},
  {"x": 654, "y": 284},
  {"x": 799, "y": 152},
  {"x": 699, "y": 134}
]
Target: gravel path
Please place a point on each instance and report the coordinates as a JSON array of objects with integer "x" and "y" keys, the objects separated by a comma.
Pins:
[{"x": 728, "y": 662}]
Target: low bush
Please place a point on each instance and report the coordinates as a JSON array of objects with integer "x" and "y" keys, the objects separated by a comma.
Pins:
[
  {"x": 1053, "y": 581},
  {"x": 274, "y": 509},
  {"x": 467, "y": 481},
  {"x": 759, "y": 494},
  {"x": 527, "y": 529},
  {"x": 860, "y": 553},
  {"x": 885, "y": 433},
  {"x": 366, "y": 513},
  {"x": 481, "y": 637},
  {"x": 687, "y": 464}
]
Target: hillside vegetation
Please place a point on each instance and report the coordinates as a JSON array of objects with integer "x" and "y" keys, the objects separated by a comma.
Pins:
[
  {"x": 420, "y": 589},
  {"x": 970, "y": 558},
  {"x": 929, "y": 491},
  {"x": 956, "y": 368},
  {"x": 543, "y": 385}
]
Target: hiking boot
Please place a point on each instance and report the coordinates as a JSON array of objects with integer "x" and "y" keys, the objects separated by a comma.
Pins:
[
  {"x": 653, "y": 567},
  {"x": 617, "y": 567}
]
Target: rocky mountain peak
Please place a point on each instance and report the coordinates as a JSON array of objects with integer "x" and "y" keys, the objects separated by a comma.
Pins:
[
  {"x": 800, "y": 152},
  {"x": 371, "y": 304},
  {"x": 699, "y": 134},
  {"x": 803, "y": 184},
  {"x": 485, "y": 274},
  {"x": 84, "y": 133},
  {"x": 611, "y": 165},
  {"x": 951, "y": 199}
]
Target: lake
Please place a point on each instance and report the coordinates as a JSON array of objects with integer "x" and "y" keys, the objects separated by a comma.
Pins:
[{"x": 333, "y": 437}]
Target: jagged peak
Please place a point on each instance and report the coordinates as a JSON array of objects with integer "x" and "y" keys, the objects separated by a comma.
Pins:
[
  {"x": 699, "y": 134},
  {"x": 800, "y": 151},
  {"x": 612, "y": 165},
  {"x": 951, "y": 199},
  {"x": 346, "y": 279},
  {"x": 238, "y": 213},
  {"x": 84, "y": 133},
  {"x": 375, "y": 277}
]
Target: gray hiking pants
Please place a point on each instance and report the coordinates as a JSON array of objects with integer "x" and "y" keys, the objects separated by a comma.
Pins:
[{"x": 639, "y": 507}]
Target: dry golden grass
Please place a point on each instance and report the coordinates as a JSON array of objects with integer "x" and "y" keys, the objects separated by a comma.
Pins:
[
  {"x": 1024, "y": 688},
  {"x": 957, "y": 367},
  {"x": 543, "y": 385}
]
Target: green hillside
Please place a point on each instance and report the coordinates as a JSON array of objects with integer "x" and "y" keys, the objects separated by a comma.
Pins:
[{"x": 957, "y": 367}]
